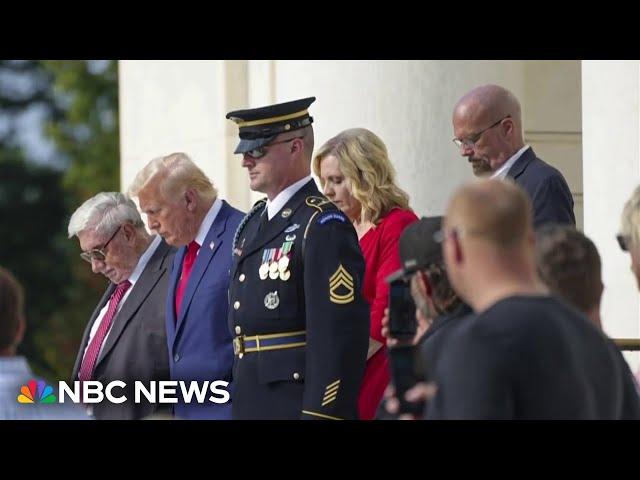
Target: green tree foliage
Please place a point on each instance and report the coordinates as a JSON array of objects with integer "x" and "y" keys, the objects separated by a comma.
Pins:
[
  {"x": 78, "y": 103},
  {"x": 87, "y": 133},
  {"x": 32, "y": 212}
]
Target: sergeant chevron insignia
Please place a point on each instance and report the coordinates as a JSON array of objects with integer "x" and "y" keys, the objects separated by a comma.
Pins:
[
  {"x": 330, "y": 392},
  {"x": 341, "y": 287}
]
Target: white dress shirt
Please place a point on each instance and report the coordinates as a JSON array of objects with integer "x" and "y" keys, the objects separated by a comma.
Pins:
[
  {"x": 209, "y": 218},
  {"x": 273, "y": 207},
  {"x": 501, "y": 173}
]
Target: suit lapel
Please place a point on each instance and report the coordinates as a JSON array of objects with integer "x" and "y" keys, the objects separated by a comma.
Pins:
[
  {"x": 211, "y": 245},
  {"x": 87, "y": 330},
  {"x": 148, "y": 279},
  {"x": 522, "y": 163}
]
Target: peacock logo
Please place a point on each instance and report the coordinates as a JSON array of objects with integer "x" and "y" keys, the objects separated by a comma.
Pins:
[{"x": 36, "y": 392}]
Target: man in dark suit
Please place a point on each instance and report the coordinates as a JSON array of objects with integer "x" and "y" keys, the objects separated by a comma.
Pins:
[
  {"x": 487, "y": 124},
  {"x": 125, "y": 338},
  {"x": 301, "y": 323},
  {"x": 183, "y": 206},
  {"x": 525, "y": 354}
]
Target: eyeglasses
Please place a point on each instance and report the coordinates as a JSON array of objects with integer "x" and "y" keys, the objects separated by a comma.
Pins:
[
  {"x": 471, "y": 141},
  {"x": 261, "y": 151},
  {"x": 623, "y": 241},
  {"x": 98, "y": 253}
]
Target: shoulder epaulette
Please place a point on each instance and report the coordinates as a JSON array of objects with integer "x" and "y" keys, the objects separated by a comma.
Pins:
[
  {"x": 326, "y": 212},
  {"x": 321, "y": 203}
]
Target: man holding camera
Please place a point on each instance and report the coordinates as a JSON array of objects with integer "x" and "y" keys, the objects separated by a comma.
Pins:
[{"x": 435, "y": 309}]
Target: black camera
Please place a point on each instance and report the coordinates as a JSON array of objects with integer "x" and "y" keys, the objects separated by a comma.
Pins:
[
  {"x": 404, "y": 367},
  {"x": 402, "y": 310}
]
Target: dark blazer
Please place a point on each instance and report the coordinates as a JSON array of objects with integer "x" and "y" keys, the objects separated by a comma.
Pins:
[
  {"x": 136, "y": 347},
  {"x": 547, "y": 188},
  {"x": 200, "y": 344}
]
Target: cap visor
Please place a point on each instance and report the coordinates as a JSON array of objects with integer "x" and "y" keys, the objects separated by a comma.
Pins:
[{"x": 247, "y": 145}]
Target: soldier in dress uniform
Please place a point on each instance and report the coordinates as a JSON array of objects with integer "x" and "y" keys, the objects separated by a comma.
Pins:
[{"x": 300, "y": 322}]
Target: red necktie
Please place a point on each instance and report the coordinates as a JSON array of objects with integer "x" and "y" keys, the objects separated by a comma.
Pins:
[
  {"x": 89, "y": 360},
  {"x": 187, "y": 266}
]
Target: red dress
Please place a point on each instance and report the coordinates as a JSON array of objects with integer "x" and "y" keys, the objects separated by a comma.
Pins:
[{"x": 380, "y": 250}]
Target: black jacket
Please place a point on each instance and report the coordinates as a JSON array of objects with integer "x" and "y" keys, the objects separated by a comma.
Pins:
[
  {"x": 136, "y": 346},
  {"x": 547, "y": 188},
  {"x": 314, "y": 298},
  {"x": 532, "y": 357}
]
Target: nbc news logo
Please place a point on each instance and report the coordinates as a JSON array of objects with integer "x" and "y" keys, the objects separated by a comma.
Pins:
[
  {"x": 36, "y": 392},
  {"x": 155, "y": 392}
]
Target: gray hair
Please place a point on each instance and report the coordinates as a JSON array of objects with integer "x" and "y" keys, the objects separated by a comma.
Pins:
[
  {"x": 180, "y": 173},
  {"x": 104, "y": 213},
  {"x": 630, "y": 221}
]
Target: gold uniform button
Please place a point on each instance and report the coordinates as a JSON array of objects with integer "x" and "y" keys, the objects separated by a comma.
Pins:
[
  {"x": 238, "y": 330},
  {"x": 296, "y": 376},
  {"x": 236, "y": 305},
  {"x": 241, "y": 277}
]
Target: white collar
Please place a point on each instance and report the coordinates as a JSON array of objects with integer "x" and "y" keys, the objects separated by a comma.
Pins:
[
  {"x": 504, "y": 169},
  {"x": 273, "y": 207},
  {"x": 209, "y": 218}
]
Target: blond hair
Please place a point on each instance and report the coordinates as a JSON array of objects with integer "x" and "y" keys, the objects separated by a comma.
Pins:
[
  {"x": 365, "y": 164},
  {"x": 180, "y": 174},
  {"x": 630, "y": 220}
]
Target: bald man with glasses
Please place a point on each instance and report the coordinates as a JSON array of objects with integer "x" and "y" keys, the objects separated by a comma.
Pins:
[{"x": 487, "y": 124}]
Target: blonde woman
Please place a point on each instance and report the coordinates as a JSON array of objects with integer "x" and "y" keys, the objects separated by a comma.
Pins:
[{"x": 356, "y": 174}]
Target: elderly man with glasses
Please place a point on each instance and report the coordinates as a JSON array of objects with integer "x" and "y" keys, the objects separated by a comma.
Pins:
[
  {"x": 125, "y": 338},
  {"x": 487, "y": 124}
]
